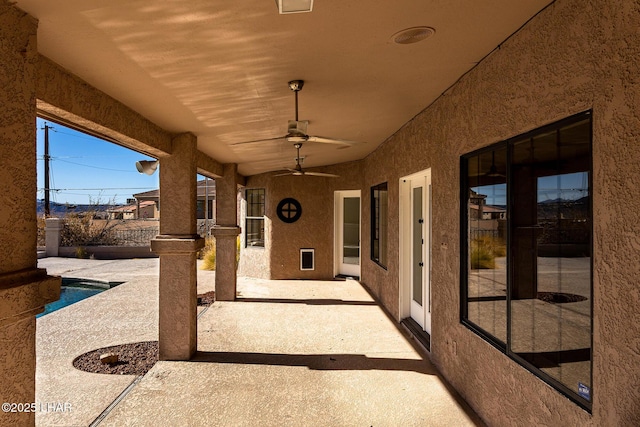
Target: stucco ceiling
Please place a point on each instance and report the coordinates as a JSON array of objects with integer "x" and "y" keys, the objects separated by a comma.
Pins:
[{"x": 220, "y": 68}]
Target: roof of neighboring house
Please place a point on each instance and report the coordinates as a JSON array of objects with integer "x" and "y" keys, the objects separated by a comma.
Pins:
[
  {"x": 131, "y": 208},
  {"x": 147, "y": 194},
  {"x": 128, "y": 208},
  {"x": 488, "y": 208},
  {"x": 203, "y": 189}
]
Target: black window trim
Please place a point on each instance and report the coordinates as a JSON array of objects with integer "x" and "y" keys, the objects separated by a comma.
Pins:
[
  {"x": 373, "y": 216},
  {"x": 464, "y": 259}
]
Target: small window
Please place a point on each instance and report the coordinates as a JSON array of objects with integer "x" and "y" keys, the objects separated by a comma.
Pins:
[
  {"x": 254, "y": 226},
  {"x": 379, "y": 204},
  {"x": 202, "y": 210},
  {"x": 526, "y": 252}
]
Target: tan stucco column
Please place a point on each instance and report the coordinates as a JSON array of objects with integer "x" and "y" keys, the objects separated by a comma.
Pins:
[
  {"x": 177, "y": 245},
  {"x": 226, "y": 232},
  {"x": 24, "y": 289}
]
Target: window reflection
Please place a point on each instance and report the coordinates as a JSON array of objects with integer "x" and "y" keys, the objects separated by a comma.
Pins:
[
  {"x": 528, "y": 279},
  {"x": 487, "y": 213},
  {"x": 551, "y": 234}
]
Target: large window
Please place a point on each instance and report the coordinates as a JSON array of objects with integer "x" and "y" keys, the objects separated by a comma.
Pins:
[
  {"x": 526, "y": 251},
  {"x": 254, "y": 226},
  {"x": 379, "y": 224}
]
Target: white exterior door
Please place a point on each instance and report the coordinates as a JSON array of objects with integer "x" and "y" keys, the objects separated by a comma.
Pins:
[
  {"x": 417, "y": 253},
  {"x": 415, "y": 232},
  {"x": 347, "y": 239}
]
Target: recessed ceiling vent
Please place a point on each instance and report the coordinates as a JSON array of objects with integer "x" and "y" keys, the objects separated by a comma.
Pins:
[
  {"x": 412, "y": 35},
  {"x": 294, "y": 6}
]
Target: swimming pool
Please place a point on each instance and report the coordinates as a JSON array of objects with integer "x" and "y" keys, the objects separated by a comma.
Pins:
[{"x": 74, "y": 290}]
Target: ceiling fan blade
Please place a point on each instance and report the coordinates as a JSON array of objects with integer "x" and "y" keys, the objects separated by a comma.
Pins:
[
  {"x": 327, "y": 175},
  {"x": 326, "y": 140},
  {"x": 284, "y": 138},
  {"x": 291, "y": 171}
]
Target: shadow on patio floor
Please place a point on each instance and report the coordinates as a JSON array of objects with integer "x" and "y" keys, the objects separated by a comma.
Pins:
[
  {"x": 321, "y": 362},
  {"x": 324, "y": 301}
]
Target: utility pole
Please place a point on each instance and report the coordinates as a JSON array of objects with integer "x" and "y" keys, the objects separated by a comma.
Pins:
[
  {"x": 47, "y": 207},
  {"x": 206, "y": 205}
]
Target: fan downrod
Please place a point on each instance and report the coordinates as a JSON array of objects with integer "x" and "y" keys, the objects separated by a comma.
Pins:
[{"x": 298, "y": 165}]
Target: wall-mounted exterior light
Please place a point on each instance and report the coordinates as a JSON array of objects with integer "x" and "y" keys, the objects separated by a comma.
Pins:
[{"x": 147, "y": 167}]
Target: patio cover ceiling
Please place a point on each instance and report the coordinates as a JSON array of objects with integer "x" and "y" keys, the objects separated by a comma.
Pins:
[{"x": 220, "y": 68}]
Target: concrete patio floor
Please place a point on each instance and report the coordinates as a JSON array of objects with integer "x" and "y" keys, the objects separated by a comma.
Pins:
[{"x": 286, "y": 353}]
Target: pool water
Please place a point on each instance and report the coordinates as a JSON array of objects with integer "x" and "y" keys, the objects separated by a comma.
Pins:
[{"x": 71, "y": 292}]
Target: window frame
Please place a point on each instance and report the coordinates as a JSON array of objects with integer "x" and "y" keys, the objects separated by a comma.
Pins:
[
  {"x": 258, "y": 219},
  {"x": 505, "y": 347},
  {"x": 376, "y": 229}
]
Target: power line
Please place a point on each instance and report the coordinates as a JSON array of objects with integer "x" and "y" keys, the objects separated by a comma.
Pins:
[
  {"x": 94, "y": 167},
  {"x": 88, "y": 157},
  {"x": 97, "y": 189},
  {"x": 88, "y": 138}
]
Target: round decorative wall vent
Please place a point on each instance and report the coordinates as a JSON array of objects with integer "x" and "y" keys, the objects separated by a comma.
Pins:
[{"x": 289, "y": 210}]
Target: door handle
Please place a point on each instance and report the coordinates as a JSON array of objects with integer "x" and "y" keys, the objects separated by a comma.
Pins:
[{"x": 421, "y": 264}]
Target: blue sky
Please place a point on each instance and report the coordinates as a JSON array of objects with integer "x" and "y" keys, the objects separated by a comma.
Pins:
[{"x": 85, "y": 169}]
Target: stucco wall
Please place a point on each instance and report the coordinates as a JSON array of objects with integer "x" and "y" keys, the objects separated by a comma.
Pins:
[
  {"x": 574, "y": 56},
  {"x": 314, "y": 229},
  {"x": 24, "y": 289},
  {"x": 18, "y": 51}
]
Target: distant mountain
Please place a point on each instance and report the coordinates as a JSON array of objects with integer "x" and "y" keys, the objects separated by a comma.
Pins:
[
  {"x": 61, "y": 209},
  {"x": 562, "y": 208},
  {"x": 581, "y": 201}
]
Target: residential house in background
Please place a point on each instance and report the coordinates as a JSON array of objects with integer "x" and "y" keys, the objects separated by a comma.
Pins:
[
  {"x": 138, "y": 210},
  {"x": 148, "y": 202}
]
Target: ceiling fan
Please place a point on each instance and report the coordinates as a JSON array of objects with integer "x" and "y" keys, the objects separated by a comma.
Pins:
[
  {"x": 298, "y": 171},
  {"x": 297, "y": 129}
]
